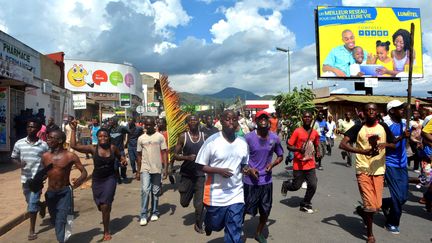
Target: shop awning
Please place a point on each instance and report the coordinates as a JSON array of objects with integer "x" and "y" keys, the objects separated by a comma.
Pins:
[{"x": 257, "y": 106}]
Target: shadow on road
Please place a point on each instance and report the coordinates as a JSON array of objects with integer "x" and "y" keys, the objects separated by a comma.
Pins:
[
  {"x": 344, "y": 164},
  {"x": 292, "y": 202},
  {"x": 352, "y": 225},
  {"x": 167, "y": 207},
  {"x": 283, "y": 175},
  {"x": 86, "y": 236},
  {"x": 189, "y": 219},
  {"x": 118, "y": 224}
]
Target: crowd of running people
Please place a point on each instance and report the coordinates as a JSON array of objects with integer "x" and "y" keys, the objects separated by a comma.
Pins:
[{"x": 226, "y": 165}]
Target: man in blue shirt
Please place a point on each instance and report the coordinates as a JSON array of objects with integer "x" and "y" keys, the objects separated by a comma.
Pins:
[
  {"x": 396, "y": 174},
  {"x": 338, "y": 61}
]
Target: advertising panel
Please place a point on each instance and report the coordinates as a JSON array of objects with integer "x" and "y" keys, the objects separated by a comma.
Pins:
[
  {"x": 358, "y": 42},
  {"x": 102, "y": 77},
  {"x": 4, "y": 118},
  {"x": 18, "y": 54},
  {"x": 79, "y": 101}
]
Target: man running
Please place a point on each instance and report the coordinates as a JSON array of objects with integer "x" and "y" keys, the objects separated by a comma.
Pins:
[
  {"x": 131, "y": 143},
  {"x": 258, "y": 186},
  {"x": 322, "y": 129},
  {"x": 152, "y": 156},
  {"x": 304, "y": 143},
  {"x": 59, "y": 196},
  {"x": 192, "y": 178},
  {"x": 28, "y": 152},
  {"x": 371, "y": 138},
  {"x": 209, "y": 129},
  {"x": 117, "y": 134},
  {"x": 396, "y": 173},
  {"x": 223, "y": 157},
  {"x": 343, "y": 126}
]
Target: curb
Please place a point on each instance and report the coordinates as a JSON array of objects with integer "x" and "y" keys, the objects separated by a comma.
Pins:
[
  {"x": 13, "y": 222},
  {"x": 21, "y": 218}
]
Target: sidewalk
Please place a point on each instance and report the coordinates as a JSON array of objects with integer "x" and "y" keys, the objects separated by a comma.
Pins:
[{"x": 13, "y": 209}]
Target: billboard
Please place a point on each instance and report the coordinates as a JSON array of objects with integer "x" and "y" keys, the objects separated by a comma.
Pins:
[
  {"x": 358, "y": 42},
  {"x": 102, "y": 77}
]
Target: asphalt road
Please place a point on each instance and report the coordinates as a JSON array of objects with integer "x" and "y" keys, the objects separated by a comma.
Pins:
[{"x": 333, "y": 221}]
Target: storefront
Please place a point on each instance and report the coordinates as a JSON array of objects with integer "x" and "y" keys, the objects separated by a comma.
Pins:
[{"x": 30, "y": 82}]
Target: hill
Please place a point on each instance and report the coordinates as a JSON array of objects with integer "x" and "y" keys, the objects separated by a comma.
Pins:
[{"x": 227, "y": 96}]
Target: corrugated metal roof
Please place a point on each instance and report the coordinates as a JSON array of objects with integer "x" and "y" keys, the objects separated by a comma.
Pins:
[{"x": 378, "y": 99}]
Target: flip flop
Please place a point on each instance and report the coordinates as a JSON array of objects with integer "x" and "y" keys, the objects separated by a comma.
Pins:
[{"x": 32, "y": 236}]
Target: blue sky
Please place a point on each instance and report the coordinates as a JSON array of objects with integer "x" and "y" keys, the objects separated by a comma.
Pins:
[{"x": 203, "y": 45}]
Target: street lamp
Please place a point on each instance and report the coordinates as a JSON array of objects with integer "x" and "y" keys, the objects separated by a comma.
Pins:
[{"x": 289, "y": 64}]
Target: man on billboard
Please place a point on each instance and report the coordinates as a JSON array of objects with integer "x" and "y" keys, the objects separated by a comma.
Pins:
[{"x": 337, "y": 62}]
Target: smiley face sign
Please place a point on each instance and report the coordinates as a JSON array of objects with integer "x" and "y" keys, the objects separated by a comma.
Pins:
[{"x": 76, "y": 75}]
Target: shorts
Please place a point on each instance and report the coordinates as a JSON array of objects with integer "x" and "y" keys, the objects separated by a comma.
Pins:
[
  {"x": 32, "y": 199},
  {"x": 371, "y": 189},
  {"x": 258, "y": 198}
]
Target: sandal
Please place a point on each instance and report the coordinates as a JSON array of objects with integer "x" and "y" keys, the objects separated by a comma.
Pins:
[{"x": 32, "y": 236}]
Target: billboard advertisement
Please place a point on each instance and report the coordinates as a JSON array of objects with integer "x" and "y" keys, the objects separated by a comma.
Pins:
[
  {"x": 102, "y": 77},
  {"x": 358, "y": 42}
]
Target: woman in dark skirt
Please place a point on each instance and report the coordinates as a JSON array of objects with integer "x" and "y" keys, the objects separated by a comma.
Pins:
[{"x": 104, "y": 180}]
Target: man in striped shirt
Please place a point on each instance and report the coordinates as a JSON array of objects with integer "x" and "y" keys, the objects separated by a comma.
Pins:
[{"x": 28, "y": 152}]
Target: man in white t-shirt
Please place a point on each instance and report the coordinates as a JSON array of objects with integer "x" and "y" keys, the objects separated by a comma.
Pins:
[
  {"x": 223, "y": 158},
  {"x": 152, "y": 157},
  {"x": 343, "y": 126}
]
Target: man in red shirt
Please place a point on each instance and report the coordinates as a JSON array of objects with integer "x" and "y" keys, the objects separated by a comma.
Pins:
[
  {"x": 304, "y": 143},
  {"x": 274, "y": 123}
]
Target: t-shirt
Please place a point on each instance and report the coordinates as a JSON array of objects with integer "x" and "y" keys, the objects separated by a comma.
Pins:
[
  {"x": 117, "y": 136},
  {"x": 273, "y": 124},
  {"x": 68, "y": 132},
  {"x": 396, "y": 157},
  {"x": 298, "y": 140},
  {"x": 134, "y": 134},
  {"x": 94, "y": 130},
  {"x": 360, "y": 134},
  {"x": 340, "y": 58},
  {"x": 331, "y": 127},
  {"x": 150, "y": 146},
  {"x": 260, "y": 155},
  {"x": 322, "y": 129},
  {"x": 345, "y": 125},
  {"x": 218, "y": 152},
  {"x": 427, "y": 126},
  {"x": 31, "y": 155}
]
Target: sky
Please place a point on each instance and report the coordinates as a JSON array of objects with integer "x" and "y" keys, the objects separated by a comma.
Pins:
[{"x": 203, "y": 46}]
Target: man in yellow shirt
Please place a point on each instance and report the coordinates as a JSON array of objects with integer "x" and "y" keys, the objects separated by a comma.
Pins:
[{"x": 371, "y": 139}]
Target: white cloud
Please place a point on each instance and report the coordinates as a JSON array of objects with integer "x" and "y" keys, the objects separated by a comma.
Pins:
[
  {"x": 244, "y": 16},
  {"x": 163, "y": 47}
]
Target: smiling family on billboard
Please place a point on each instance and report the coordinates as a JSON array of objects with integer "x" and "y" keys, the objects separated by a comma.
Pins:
[
  {"x": 100, "y": 77},
  {"x": 356, "y": 42}
]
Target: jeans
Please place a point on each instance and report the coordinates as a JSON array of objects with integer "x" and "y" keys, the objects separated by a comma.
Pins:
[
  {"x": 296, "y": 183},
  {"x": 150, "y": 183},
  {"x": 132, "y": 151},
  {"x": 60, "y": 205}
]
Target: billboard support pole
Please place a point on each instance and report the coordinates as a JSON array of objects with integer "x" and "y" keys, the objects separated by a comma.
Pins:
[{"x": 410, "y": 70}]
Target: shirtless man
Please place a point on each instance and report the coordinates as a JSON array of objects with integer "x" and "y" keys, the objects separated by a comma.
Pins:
[{"x": 59, "y": 194}]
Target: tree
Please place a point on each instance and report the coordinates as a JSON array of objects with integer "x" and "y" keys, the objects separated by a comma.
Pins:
[
  {"x": 189, "y": 108},
  {"x": 294, "y": 104}
]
